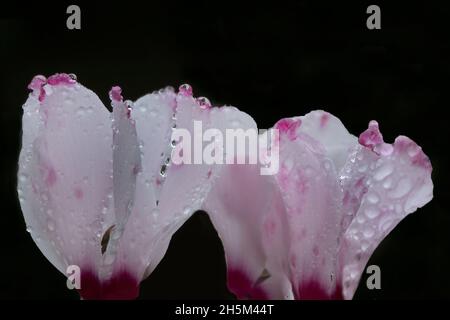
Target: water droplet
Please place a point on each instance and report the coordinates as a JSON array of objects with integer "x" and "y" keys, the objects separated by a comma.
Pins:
[
  {"x": 383, "y": 172},
  {"x": 185, "y": 90},
  {"x": 29, "y": 229},
  {"x": 80, "y": 112},
  {"x": 155, "y": 213},
  {"x": 386, "y": 223},
  {"x": 22, "y": 178},
  {"x": 362, "y": 168},
  {"x": 129, "y": 104},
  {"x": 410, "y": 205},
  {"x": 169, "y": 88},
  {"x": 204, "y": 102},
  {"x": 50, "y": 225},
  {"x": 327, "y": 165},
  {"x": 163, "y": 170},
  {"x": 402, "y": 189},
  {"x": 368, "y": 233},
  {"x": 173, "y": 143},
  {"x": 361, "y": 219},
  {"x": 235, "y": 123},
  {"x": 186, "y": 210},
  {"x": 373, "y": 198},
  {"x": 372, "y": 212},
  {"x": 413, "y": 150},
  {"x": 73, "y": 76},
  {"x": 364, "y": 246},
  {"x": 387, "y": 183},
  {"x": 360, "y": 156}
]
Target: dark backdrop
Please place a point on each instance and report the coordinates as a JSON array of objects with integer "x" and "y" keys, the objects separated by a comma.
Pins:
[{"x": 271, "y": 61}]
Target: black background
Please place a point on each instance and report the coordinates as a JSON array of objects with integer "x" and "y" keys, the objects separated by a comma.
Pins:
[{"x": 271, "y": 61}]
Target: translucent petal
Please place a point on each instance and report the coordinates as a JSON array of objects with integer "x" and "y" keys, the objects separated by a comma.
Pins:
[
  {"x": 309, "y": 187},
  {"x": 382, "y": 184},
  {"x": 237, "y": 205},
  {"x": 65, "y": 171}
]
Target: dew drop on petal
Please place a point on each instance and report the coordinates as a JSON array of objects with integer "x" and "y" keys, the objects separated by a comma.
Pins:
[
  {"x": 373, "y": 198},
  {"x": 204, "y": 102},
  {"x": 185, "y": 90},
  {"x": 80, "y": 112},
  {"x": 368, "y": 233},
  {"x": 326, "y": 165},
  {"x": 361, "y": 219},
  {"x": 163, "y": 170},
  {"x": 413, "y": 150},
  {"x": 50, "y": 225},
  {"x": 387, "y": 184},
  {"x": 383, "y": 172},
  {"x": 362, "y": 168},
  {"x": 155, "y": 213},
  {"x": 364, "y": 246},
  {"x": 402, "y": 189},
  {"x": 372, "y": 212}
]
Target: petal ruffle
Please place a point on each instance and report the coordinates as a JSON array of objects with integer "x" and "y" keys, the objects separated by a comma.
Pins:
[{"x": 382, "y": 184}]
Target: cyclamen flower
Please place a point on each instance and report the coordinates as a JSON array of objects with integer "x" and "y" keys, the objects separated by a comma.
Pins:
[
  {"x": 308, "y": 231},
  {"x": 97, "y": 190}
]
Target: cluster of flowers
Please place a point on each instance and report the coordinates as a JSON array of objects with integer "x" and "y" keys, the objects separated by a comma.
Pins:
[{"x": 98, "y": 190}]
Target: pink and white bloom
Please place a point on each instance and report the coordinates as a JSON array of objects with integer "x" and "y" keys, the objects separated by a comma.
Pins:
[
  {"x": 97, "y": 189},
  {"x": 308, "y": 231}
]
